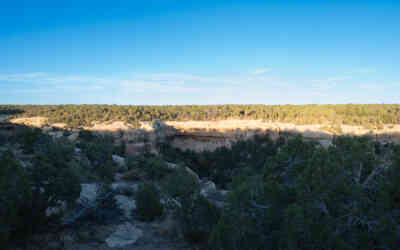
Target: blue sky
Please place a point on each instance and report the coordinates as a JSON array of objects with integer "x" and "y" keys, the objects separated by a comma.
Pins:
[{"x": 199, "y": 52}]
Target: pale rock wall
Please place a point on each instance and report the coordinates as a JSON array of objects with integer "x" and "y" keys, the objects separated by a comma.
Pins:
[
  {"x": 209, "y": 135},
  {"x": 31, "y": 121}
]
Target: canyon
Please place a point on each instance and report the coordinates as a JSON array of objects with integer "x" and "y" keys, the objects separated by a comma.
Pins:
[{"x": 210, "y": 135}]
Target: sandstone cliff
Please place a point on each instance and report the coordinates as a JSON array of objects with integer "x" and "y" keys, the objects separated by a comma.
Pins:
[{"x": 209, "y": 135}]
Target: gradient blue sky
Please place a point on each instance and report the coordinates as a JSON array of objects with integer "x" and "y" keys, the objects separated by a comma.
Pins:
[{"x": 199, "y": 52}]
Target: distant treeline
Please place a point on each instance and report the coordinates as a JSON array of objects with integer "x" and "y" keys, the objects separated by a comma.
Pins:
[{"x": 367, "y": 115}]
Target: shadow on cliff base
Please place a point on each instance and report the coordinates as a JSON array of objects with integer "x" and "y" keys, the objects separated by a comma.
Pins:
[{"x": 140, "y": 140}]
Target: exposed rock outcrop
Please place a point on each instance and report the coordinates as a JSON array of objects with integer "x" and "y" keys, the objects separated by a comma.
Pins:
[
  {"x": 209, "y": 135},
  {"x": 31, "y": 121},
  {"x": 119, "y": 160},
  {"x": 188, "y": 170},
  {"x": 127, "y": 204},
  {"x": 125, "y": 234},
  {"x": 73, "y": 137},
  {"x": 88, "y": 192},
  {"x": 209, "y": 190}
]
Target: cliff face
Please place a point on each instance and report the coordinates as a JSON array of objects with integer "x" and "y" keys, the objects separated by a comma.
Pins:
[{"x": 209, "y": 135}]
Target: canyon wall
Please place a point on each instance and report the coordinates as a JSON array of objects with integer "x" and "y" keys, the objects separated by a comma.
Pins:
[{"x": 209, "y": 135}]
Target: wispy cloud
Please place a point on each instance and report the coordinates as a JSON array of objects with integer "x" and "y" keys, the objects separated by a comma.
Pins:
[
  {"x": 330, "y": 82},
  {"x": 46, "y": 78},
  {"x": 161, "y": 83},
  {"x": 142, "y": 83},
  {"x": 171, "y": 78},
  {"x": 252, "y": 87},
  {"x": 21, "y": 77},
  {"x": 333, "y": 79},
  {"x": 364, "y": 70},
  {"x": 260, "y": 71},
  {"x": 128, "y": 86}
]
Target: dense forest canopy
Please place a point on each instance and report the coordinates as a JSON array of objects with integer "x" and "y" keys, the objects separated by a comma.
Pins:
[{"x": 367, "y": 115}]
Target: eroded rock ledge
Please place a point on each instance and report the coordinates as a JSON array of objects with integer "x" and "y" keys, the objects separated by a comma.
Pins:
[{"x": 209, "y": 135}]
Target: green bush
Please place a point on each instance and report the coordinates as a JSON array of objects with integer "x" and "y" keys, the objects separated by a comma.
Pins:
[
  {"x": 310, "y": 197},
  {"x": 53, "y": 171},
  {"x": 241, "y": 225},
  {"x": 106, "y": 209},
  {"x": 27, "y": 193},
  {"x": 155, "y": 168},
  {"x": 57, "y": 152},
  {"x": 148, "y": 204},
  {"x": 99, "y": 150},
  {"x": 121, "y": 148},
  {"x": 14, "y": 191},
  {"x": 28, "y": 137},
  {"x": 197, "y": 217},
  {"x": 180, "y": 184},
  {"x": 86, "y": 135},
  {"x": 149, "y": 166},
  {"x": 3, "y": 138},
  {"x": 223, "y": 164},
  {"x": 106, "y": 171}
]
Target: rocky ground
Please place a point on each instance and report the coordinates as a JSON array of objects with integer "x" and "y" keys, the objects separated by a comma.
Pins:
[
  {"x": 130, "y": 235},
  {"x": 142, "y": 236},
  {"x": 124, "y": 231}
]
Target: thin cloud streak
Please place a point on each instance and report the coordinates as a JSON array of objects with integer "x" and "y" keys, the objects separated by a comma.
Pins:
[
  {"x": 364, "y": 70},
  {"x": 260, "y": 71},
  {"x": 165, "y": 83},
  {"x": 167, "y": 88}
]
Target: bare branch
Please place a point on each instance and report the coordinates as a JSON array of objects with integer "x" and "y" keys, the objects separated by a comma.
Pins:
[
  {"x": 373, "y": 174},
  {"x": 254, "y": 204},
  {"x": 358, "y": 175}
]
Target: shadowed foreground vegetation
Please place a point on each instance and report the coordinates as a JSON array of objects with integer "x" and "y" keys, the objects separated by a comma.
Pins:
[
  {"x": 293, "y": 194},
  {"x": 367, "y": 115},
  {"x": 285, "y": 194}
]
